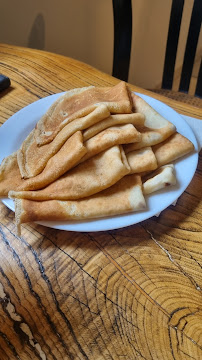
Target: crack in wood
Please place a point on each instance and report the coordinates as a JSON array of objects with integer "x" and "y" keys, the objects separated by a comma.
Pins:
[
  {"x": 19, "y": 324},
  {"x": 10, "y": 345},
  {"x": 128, "y": 277},
  {"x": 34, "y": 293},
  {"x": 128, "y": 253},
  {"x": 175, "y": 262}
]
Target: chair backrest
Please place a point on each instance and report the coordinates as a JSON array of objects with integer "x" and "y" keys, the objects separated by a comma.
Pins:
[{"x": 122, "y": 10}]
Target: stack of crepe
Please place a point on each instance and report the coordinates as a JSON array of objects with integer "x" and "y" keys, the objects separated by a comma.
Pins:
[{"x": 96, "y": 152}]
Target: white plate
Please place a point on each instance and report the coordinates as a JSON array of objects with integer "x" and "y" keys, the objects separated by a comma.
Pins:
[{"x": 15, "y": 130}]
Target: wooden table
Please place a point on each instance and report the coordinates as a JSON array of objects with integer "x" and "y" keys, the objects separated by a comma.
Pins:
[{"x": 132, "y": 293}]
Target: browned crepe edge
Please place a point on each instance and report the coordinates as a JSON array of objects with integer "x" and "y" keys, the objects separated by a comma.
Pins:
[
  {"x": 131, "y": 200},
  {"x": 51, "y": 173},
  {"x": 135, "y": 119},
  {"x": 70, "y": 192},
  {"x": 119, "y": 135},
  {"x": 180, "y": 143},
  {"x": 43, "y": 153},
  {"x": 150, "y": 135},
  {"x": 40, "y": 129},
  {"x": 149, "y": 165},
  {"x": 48, "y": 134}
]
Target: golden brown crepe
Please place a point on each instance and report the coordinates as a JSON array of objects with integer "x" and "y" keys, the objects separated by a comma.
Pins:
[
  {"x": 159, "y": 179},
  {"x": 135, "y": 119},
  {"x": 89, "y": 177},
  {"x": 142, "y": 160},
  {"x": 115, "y": 135},
  {"x": 32, "y": 158},
  {"x": 171, "y": 149},
  {"x": 68, "y": 108},
  {"x": 73, "y": 165},
  {"x": 156, "y": 128},
  {"x": 123, "y": 197},
  {"x": 10, "y": 177},
  {"x": 67, "y": 157}
]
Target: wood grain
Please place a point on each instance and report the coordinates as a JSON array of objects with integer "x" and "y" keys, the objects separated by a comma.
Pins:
[{"x": 132, "y": 293}]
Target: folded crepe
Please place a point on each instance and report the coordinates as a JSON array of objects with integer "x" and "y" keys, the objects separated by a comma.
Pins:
[
  {"x": 32, "y": 158},
  {"x": 115, "y": 135},
  {"x": 10, "y": 176},
  {"x": 68, "y": 108},
  {"x": 155, "y": 129},
  {"x": 142, "y": 160},
  {"x": 171, "y": 149},
  {"x": 89, "y": 177},
  {"x": 73, "y": 165},
  {"x": 123, "y": 197},
  {"x": 159, "y": 179},
  {"x": 66, "y": 158},
  {"x": 135, "y": 119}
]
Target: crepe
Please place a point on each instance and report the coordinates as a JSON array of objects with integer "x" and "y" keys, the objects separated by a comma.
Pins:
[
  {"x": 90, "y": 177},
  {"x": 115, "y": 135},
  {"x": 171, "y": 149},
  {"x": 161, "y": 178},
  {"x": 123, "y": 197},
  {"x": 87, "y": 155},
  {"x": 156, "y": 128},
  {"x": 67, "y": 157},
  {"x": 32, "y": 158},
  {"x": 10, "y": 177},
  {"x": 142, "y": 160},
  {"x": 113, "y": 120},
  {"x": 68, "y": 108}
]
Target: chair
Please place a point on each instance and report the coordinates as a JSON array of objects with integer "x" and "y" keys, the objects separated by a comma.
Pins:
[{"x": 122, "y": 11}]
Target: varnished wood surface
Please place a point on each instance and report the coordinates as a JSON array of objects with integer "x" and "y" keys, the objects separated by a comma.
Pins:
[{"x": 132, "y": 293}]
